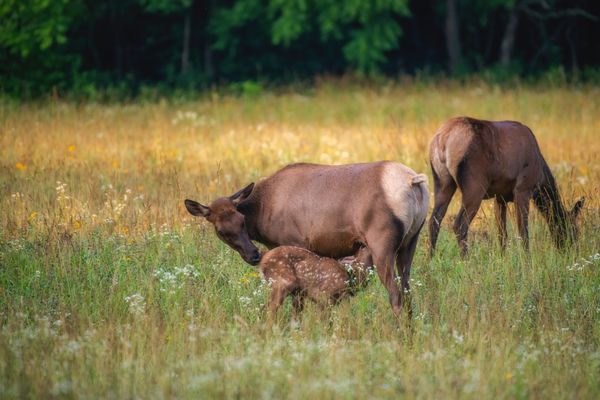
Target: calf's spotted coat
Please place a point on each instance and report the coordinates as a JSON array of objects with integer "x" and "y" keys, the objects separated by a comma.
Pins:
[{"x": 300, "y": 273}]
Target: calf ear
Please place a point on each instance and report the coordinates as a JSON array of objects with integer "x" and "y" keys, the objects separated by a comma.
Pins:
[
  {"x": 196, "y": 208},
  {"x": 241, "y": 195},
  {"x": 577, "y": 207}
]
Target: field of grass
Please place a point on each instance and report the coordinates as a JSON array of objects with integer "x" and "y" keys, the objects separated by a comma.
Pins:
[{"x": 109, "y": 289}]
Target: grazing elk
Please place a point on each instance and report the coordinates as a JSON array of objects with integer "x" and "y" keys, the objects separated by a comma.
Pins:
[
  {"x": 300, "y": 273},
  {"x": 486, "y": 159},
  {"x": 331, "y": 210}
]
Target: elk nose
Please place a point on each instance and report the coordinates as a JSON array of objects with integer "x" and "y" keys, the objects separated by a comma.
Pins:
[{"x": 255, "y": 258}]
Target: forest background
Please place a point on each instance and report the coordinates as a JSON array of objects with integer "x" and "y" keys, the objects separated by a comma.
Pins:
[{"x": 120, "y": 49}]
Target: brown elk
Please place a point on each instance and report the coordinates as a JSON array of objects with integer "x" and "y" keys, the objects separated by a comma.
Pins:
[
  {"x": 486, "y": 159},
  {"x": 331, "y": 210},
  {"x": 300, "y": 273}
]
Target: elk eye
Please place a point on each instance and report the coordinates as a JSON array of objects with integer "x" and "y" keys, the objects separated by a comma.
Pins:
[{"x": 226, "y": 235}]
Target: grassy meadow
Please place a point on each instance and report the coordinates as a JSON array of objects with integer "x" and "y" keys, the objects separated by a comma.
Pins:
[{"x": 109, "y": 289}]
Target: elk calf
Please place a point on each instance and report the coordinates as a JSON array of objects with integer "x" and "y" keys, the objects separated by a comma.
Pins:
[{"x": 301, "y": 273}]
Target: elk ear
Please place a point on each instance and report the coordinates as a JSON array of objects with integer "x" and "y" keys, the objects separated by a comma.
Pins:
[
  {"x": 577, "y": 208},
  {"x": 196, "y": 208},
  {"x": 241, "y": 195}
]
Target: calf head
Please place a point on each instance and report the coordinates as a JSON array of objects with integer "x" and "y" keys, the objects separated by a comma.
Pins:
[{"x": 229, "y": 223}]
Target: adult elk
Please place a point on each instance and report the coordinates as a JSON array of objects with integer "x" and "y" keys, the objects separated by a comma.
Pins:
[
  {"x": 332, "y": 211},
  {"x": 499, "y": 159}
]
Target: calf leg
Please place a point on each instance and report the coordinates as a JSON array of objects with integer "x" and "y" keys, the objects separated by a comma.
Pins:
[
  {"x": 500, "y": 212},
  {"x": 278, "y": 294},
  {"x": 364, "y": 257},
  {"x": 443, "y": 195},
  {"x": 298, "y": 303}
]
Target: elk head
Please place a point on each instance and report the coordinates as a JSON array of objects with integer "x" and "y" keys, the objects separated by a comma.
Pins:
[{"x": 229, "y": 223}]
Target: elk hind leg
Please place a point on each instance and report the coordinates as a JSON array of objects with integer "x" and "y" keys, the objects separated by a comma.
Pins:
[
  {"x": 443, "y": 192},
  {"x": 404, "y": 259},
  {"x": 471, "y": 200},
  {"x": 383, "y": 256}
]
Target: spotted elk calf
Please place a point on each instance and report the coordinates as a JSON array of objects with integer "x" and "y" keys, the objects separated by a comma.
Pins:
[{"x": 300, "y": 273}]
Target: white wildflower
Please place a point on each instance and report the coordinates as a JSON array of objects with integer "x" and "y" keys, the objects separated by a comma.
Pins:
[
  {"x": 458, "y": 338},
  {"x": 245, "y": 300},
  {"x": 137, "y": 303}
]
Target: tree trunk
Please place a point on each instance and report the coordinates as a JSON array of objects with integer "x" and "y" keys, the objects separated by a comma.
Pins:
[
  {"x": 91, "y": 35},
  {"x": 572, "y": 48},
  {"x": 185, "y": 51},
  {"x": 452, "y": 37},
  {"x": 115, "y": 19},
  {"x": 490, "y": 50},
  {"x": 209, "y": 66},
  {"x": 508, "y": 40}
]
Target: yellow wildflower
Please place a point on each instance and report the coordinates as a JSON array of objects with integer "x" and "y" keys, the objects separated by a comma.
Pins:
[
  {"x": 20, "y": 166},
  {"x": 71, "y": 148},
  {"x": 32, "y": 216},
  {"x": 76, "y": 224}
]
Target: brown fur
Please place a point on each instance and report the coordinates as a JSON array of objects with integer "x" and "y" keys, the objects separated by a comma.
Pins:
[
  {"x": 293, "y": 271},
  {"x": 331, "y": 210},
  {"x": 486, "y": 159}
]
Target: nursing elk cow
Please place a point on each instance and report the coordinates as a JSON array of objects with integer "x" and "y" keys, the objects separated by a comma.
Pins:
[
  {"x": 495, "y": 159},
  {"x": 331, "y": 210}
]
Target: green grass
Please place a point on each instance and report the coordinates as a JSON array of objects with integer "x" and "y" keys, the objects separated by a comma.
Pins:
[{"x": 108, "y": 288}]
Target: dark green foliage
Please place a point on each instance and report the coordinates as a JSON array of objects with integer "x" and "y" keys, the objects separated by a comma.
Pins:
[
  {"x": 88, "y": 48},
  {"x": 31, "y": 35},
  {"x": 366, "y": 30}
]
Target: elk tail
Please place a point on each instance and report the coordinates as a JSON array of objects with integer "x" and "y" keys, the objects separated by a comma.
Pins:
[{"x": 418, "y": 179}]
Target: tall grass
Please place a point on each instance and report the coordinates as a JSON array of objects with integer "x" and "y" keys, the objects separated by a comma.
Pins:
[{"x": 108, "y": 288}]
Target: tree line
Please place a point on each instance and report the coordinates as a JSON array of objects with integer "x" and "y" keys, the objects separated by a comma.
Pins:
[{"x": 84, "y": 45}]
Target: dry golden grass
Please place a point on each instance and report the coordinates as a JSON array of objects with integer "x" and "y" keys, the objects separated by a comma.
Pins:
[{"x": 108, "y": 288}]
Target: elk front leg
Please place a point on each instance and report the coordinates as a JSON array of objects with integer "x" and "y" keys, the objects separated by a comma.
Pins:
[
  {"x": 500, "y": 212},
  {"x": 522, "y": 211}
]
